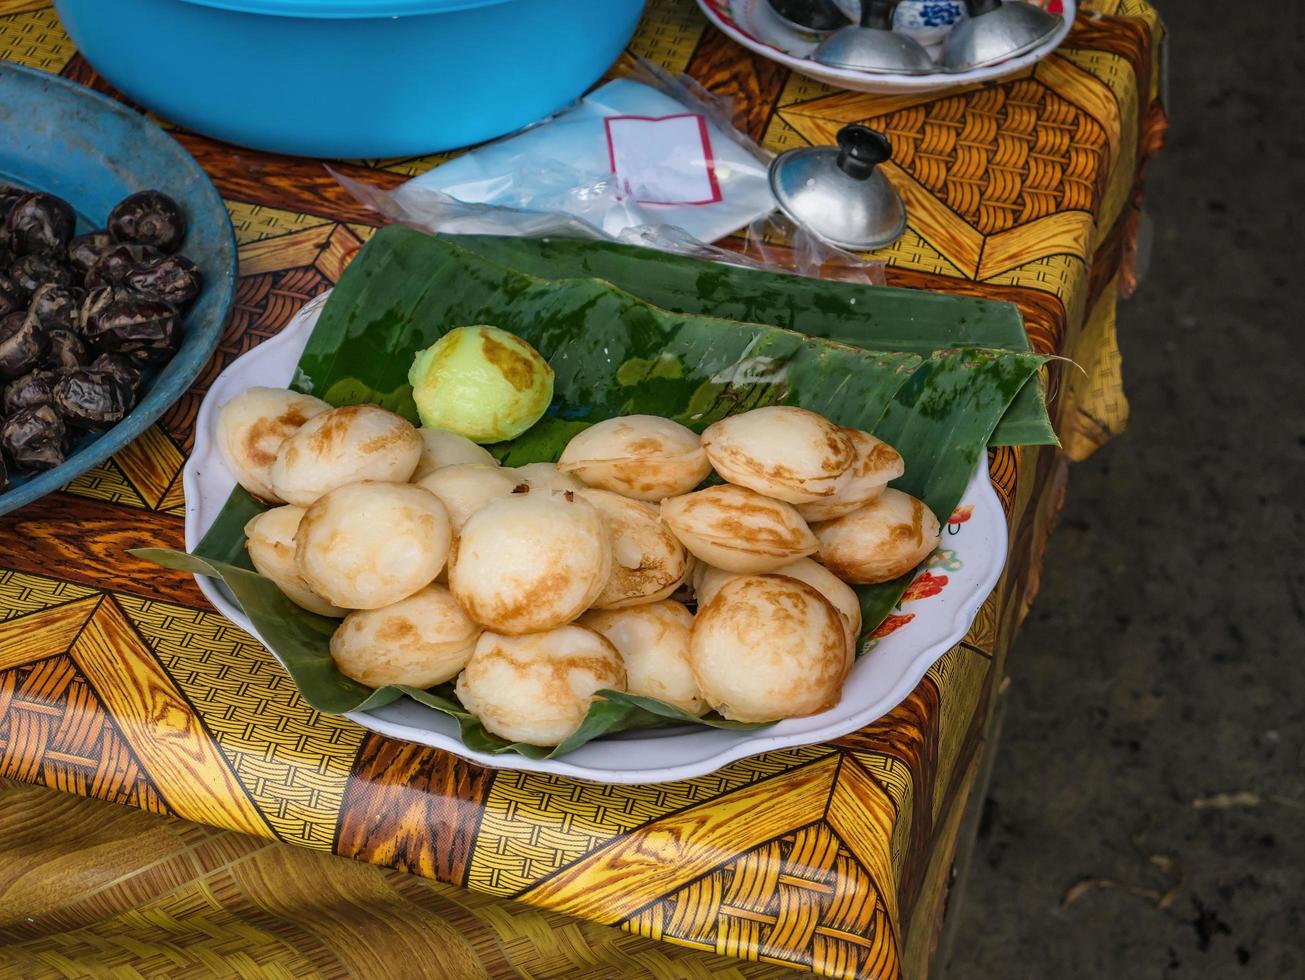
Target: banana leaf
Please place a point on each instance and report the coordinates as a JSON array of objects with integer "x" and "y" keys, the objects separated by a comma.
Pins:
[
  {"x": 874, "y": 317},
  {"x": 612, "y": 354}
]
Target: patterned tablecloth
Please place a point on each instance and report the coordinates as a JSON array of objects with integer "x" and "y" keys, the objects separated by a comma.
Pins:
[{"x": 118, "y": 681}]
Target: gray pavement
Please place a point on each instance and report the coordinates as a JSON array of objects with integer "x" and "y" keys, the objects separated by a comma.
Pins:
[{"x": 1147, "y": 814}]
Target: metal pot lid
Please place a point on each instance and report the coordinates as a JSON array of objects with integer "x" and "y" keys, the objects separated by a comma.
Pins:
[
  {"x": 839, "y": 193},
  {"x": 873, "y": 45},
  {"x": 995, "y": 31}
]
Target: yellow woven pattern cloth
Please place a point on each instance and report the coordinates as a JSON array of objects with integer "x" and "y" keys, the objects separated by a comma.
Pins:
[{"x": 118, "y": 683}]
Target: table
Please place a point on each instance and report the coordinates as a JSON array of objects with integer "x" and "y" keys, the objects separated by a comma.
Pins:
[{"x": 119, "y": 683}]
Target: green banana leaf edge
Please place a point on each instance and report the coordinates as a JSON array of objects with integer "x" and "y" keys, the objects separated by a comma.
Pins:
[{"x": 874, "y": 317}]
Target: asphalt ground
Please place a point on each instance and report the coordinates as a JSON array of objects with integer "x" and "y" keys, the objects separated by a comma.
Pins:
[{"x": 1147, "y": 813}]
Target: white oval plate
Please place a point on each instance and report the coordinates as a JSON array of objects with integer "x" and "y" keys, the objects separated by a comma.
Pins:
[
  {"x": 963, "y": 573},
  {"x": 755, "y": 26}
]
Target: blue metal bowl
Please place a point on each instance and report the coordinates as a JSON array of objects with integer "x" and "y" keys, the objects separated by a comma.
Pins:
[
  {"x": 64, "y": 139},
  {"x": 352, "y": 78}
]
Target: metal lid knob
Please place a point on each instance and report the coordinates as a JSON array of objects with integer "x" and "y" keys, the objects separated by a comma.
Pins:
[
  {"x": 839, "y": 193},
  {"x": 861, "y": 149}
]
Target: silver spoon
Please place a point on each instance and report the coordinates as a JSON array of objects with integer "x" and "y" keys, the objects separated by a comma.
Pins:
[{"x": 873, "y": 45}]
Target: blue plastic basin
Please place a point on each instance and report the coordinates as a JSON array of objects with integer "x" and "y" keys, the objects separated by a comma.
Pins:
[{"x": 351, "y": 78}]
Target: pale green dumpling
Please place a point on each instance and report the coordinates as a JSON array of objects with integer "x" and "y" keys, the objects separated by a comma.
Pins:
[{"x": 481, "y": 382}]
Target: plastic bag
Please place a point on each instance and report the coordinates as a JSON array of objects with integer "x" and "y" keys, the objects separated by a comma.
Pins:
[
  {"x": 647, "y": 160},
  {"x": 625, "y": 155}
]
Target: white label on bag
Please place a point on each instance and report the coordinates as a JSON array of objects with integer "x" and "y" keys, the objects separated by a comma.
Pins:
[{"x": 666, "y": 160}]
